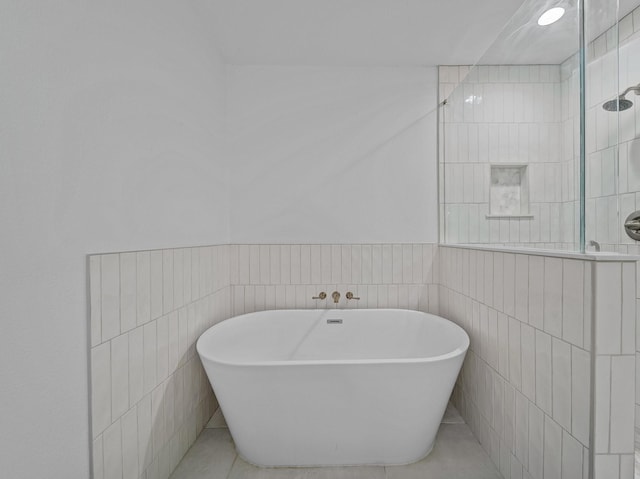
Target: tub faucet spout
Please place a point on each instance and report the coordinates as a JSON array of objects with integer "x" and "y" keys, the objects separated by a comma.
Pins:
[{"x": 336, "y": 297}]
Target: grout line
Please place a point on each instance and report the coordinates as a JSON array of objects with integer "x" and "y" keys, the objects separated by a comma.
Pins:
[
  {"x": 622, "y": 322},
  {"x": 235, "y": 459},
  {"x": 592, "y": 374},
  {"x": 610, "y": 405}
]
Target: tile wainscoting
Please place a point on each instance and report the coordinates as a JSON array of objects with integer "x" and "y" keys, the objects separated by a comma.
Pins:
[
  {"x": 150, "y": 397},
  {"x": 267, "y": 277},
  {"x": 532, "y": 391}
]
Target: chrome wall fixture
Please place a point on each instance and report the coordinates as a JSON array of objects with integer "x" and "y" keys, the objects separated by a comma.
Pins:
[
  {"x": 621, "y": 103},
  {"x": 632, "y": 225},
  {"x": 336, "y": 296}
]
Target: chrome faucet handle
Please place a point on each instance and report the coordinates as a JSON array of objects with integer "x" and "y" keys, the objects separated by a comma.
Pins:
[
  {"x": 350, "y": 295},
  {"x": 633, "y": 225},
  {"x": 322, "y": 295},
  {"x": 336, "y": 297}
]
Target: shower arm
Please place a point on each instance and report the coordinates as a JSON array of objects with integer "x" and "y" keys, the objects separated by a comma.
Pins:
[{"x": 635, "y": 89}]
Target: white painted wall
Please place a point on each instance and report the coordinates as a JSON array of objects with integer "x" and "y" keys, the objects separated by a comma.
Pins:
[
  {"x": 342, "y": 155},
  {"x": 113, "y": 139},
  {"x": 110, "y": 126}
]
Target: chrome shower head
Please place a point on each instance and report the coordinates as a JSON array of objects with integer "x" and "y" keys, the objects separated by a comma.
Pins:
[{"x": 619, "y": 104}]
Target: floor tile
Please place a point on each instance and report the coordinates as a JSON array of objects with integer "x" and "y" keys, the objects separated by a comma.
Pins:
[
  {"x": 243, "y": 470},
  {"x": 456, "y": 455},
  {"x": 452, "y": 416},
  {"x": 217, "y": 420},
  {"x": 211, "y": 457}
]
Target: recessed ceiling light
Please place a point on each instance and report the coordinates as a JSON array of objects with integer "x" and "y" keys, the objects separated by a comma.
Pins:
[{"x": 550, "y": 16}]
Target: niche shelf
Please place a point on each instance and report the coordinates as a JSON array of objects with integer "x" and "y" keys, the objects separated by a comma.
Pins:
[{"x": 509, "y": 191}]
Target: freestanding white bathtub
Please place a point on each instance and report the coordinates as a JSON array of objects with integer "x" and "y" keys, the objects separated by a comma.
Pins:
[{"x": 333, "y": 387}]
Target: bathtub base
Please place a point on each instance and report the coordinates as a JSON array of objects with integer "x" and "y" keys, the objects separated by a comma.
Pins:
[
  {"x": 294, "y": 466},
  {"x": 334, "y": 415}
]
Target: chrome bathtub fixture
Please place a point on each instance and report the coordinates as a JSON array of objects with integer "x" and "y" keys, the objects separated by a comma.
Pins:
[
  {"x": 336, "y": 297},
  {"x": 621, "y": 103},
  {"x": 322, "y": 295},
  {"x": 350, "y": 295},
  {"x": 595, "y": 244},
  {"x": 632, "y": 225}
]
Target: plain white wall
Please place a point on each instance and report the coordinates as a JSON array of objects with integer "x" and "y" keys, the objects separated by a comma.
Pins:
[
  {"x": 111, "y": 119},
  {"x": 112, "y": 134},
  {"x": 325, "y": 154}
]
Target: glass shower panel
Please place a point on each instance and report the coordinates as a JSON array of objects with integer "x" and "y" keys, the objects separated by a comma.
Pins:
[
  {"x": 603, "y": 227},
  {"x": 509, "y": 137},
  {"x": 618, "y": 49}
]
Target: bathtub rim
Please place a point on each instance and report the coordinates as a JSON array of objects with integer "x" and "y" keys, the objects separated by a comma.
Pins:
[{"x": 460, "y": 350}]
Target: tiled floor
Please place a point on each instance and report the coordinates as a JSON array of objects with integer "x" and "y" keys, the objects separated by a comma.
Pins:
[{"x": 456, "y": 455}]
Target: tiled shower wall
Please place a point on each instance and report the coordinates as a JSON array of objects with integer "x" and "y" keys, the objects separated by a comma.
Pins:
[
  {"x": 502, "y": 114},
  {"x": 525, "y": 388},
  {"x": 267, "y": 277},
  {"x": 149, "y": 394},
  {"x": 613, "y": 144},
  {"x": 517, "y": 103},
  {"x": 613, "y": 139}
]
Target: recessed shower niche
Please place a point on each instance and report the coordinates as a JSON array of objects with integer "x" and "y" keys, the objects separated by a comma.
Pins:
[{"x": 509, "y": 191}]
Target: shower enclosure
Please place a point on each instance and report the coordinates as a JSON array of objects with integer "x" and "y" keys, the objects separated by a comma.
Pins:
[
  {"x": 539, "y": 142},
  {"x": 539, "y": 147}
]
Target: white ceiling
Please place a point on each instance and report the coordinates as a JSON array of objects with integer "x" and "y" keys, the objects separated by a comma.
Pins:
[
  {"x": 523, "y": 41},
  {"x": 399, "y": 32},
  {"x": 357, "y": 32}
]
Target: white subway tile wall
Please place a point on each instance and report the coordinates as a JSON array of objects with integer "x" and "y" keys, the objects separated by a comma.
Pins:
[
  {"x": 612, "y": 149},
  {"x": 505, "y": 115},
  {"x": 149, "y": 394},
  {"x": 525, "y": 387},
  {"x": 288, "y": 276},
  {"x": 614, "y": 366},
  {"x": 613, "y": 156}
]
